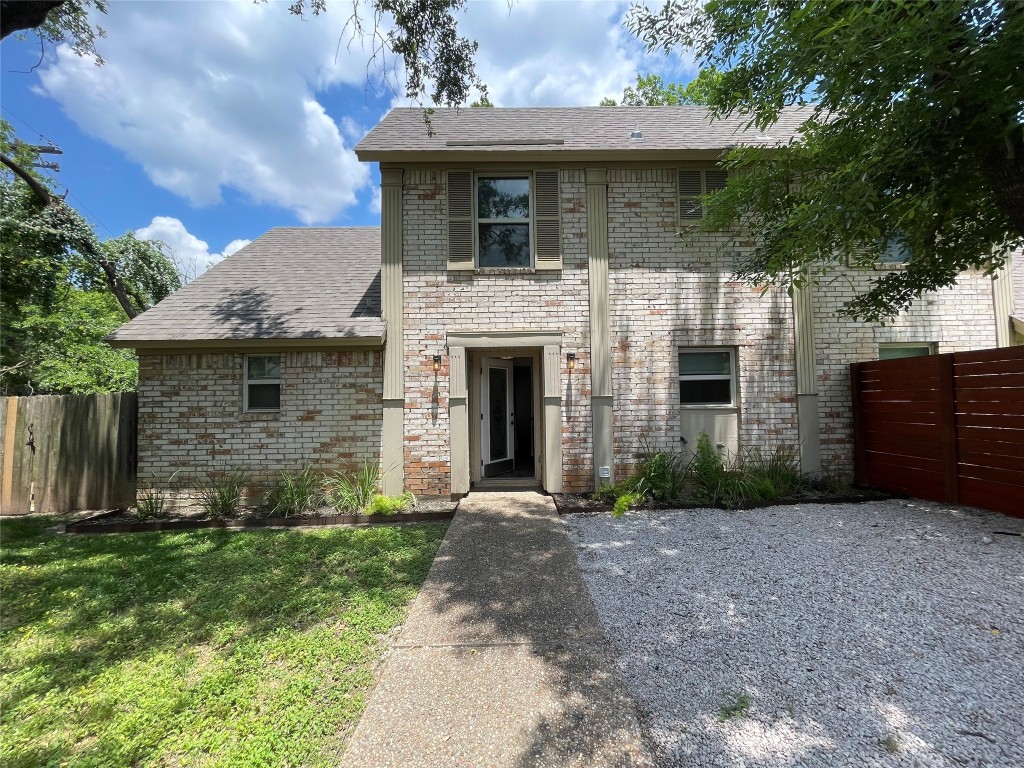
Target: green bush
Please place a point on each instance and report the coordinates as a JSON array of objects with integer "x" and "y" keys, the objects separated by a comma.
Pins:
[
  {"x": 353, "y": 493},
  {"x": 389, "y": 505},
  {"x": 662, "y": 478},
  {"x": 775, "y": 473},
  {"x": 150, "y": 501},
  {"x": 624, "y": 502},
  {"x": 221, "y": 494},
  {"x": 293, "y": 493}
]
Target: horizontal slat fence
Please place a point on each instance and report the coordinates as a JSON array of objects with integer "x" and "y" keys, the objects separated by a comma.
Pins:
[
  {"x": 83, "y": 458},
  {"x": 943, "y": 427}
]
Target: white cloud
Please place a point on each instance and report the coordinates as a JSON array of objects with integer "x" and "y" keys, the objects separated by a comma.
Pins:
[
  {"x": 208, "y": 96},
  {"x": 543, "y": 53},
  {"x": 191, "y": 255}
]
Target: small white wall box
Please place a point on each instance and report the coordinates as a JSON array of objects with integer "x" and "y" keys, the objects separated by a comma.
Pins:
[{"x": 604, "y": 471}]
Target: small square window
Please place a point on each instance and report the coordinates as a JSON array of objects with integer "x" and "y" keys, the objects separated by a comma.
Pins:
[
  {"x": 707, "y": 377},
  {"x": 894, "y": 251},
  {"x": 898, "y": 351},
  {"x": 263, "y": 383}
]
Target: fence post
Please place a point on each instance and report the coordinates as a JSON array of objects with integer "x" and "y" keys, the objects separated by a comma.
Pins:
[
  {"x": 859, "y": 450},
  {"x": 947, "y": 426}
]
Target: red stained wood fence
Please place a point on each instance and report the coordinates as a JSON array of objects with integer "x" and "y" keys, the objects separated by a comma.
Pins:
[{"x": 944, "y": 427}]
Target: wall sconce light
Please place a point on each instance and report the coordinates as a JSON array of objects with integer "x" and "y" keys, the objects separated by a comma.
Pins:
[
  {"x": 437, "y": 363},
  {"x": 570, "y": 360}
]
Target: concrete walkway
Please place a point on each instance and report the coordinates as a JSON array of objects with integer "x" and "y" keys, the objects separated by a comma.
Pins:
[{"x": 502, "y": 661}]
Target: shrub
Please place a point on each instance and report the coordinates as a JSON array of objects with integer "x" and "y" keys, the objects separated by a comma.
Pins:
[
  {"x": 151, "y": 501},
  {"x": 293, "y": 493},
  {"x": 773, "y": 474},
  {"x": 353, "y": 494},
  {"x": 662, "y": 477},
  {"x": 624, "y": 502},
  {"x": 220, "y": 495},
  {"x": 389, "y": 505}
]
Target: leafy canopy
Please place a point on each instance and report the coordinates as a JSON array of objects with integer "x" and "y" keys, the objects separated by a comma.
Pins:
[
  {"x": 64, "y": 289},
  {"x": 652, "y": 91},
  {"x": 912, "y": 134}
]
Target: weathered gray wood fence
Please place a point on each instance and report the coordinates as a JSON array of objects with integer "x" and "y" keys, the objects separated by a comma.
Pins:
[{"x": 67, "y": 452}]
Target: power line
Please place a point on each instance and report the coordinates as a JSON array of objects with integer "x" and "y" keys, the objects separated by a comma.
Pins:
[{"x": 67, "y": 190}]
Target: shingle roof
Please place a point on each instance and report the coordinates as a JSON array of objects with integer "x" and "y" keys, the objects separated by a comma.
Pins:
[
  {"x": 291, "y": 283},
  {"x": 567, "y": 130}
]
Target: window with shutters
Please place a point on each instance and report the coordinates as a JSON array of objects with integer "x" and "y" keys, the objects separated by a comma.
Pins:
[
  {"x": 692, "y": 186},
  {"x": 504, "y": 220}
]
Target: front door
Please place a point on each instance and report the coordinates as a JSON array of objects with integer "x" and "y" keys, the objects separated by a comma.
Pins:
[{"x": 496, "y": 417}]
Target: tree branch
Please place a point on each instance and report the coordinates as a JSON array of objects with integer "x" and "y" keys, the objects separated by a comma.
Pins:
[
  {"x": 38, "y": 189},
  {"x": 16, "y": 15}
]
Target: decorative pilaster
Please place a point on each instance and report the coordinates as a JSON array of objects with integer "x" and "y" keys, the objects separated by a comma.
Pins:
[
  {"x": 393, "y": 433},
  {"x": 600, "y": 323}
]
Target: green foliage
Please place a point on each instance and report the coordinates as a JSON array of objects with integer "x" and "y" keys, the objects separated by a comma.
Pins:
[
  {"x": 652, "y": 91},
  {"x": 736, "y": 705},
  {"x": 60, "y": 290},
  {"x": 353, "y": 493},
  {"x": 483, "y": 101},
  {"x": 248, "y": 648},
  {"x": 662, "y": 477},
  {"x": 912, "y": 133},
  {"x": 389, "y": 505},
  {"x": 151, "y": 500},
  {"x": 624, "y": 502},
  {"x": 221, "y": 492},
  {"x": 293, "y": 493},
  {"x": 63, "y": 349}
]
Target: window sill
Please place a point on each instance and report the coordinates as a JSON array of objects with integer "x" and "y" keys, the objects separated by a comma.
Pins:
[
  {"x": 505, "y": 271},
  {"x": 260, "y": 415},
  {"x": 708, "y": 407}
]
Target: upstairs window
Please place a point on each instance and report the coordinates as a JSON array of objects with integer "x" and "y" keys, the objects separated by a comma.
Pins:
[
  {"x": 692, "y": 185},
  {"x": 263, "y": 382},
  {"x": 707, "y": 377},
  {"x": 503, "y": 221}
]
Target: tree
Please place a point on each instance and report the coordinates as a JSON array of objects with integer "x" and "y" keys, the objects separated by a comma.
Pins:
[
  {"x": 64, "y": 289},
  {"x": 912, "y": 134},
  {"x": 652, "y": 91}
]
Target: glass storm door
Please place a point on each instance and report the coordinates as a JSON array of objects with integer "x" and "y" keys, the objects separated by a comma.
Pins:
[{"x": 496, "y": 437}]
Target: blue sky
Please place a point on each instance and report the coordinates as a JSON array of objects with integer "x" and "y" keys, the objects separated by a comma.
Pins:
[{"x": 212, "y": 121}]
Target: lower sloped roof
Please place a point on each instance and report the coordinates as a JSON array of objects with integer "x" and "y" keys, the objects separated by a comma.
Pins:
[{"x": 293, "y": 283}]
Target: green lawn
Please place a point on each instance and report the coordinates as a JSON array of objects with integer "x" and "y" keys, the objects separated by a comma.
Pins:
[{"x": 199, "y": 648}]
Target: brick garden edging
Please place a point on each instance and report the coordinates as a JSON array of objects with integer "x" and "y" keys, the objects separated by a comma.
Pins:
[{"x": 85, "y": 527}]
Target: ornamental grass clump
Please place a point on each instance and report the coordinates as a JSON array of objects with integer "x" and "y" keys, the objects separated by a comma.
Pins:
[
  {"x": 293, "y": 493},
  {"x": 353, "y": 493},
  {"x": 389, "y": 505},
  {"x": 221, "y": 493}
]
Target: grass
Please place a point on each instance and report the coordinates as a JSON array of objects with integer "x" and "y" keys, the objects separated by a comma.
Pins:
[{"x": 210, "y": 648}]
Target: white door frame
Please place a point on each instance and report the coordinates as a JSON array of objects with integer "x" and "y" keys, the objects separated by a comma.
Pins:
[{"x": 505, "y": 463}]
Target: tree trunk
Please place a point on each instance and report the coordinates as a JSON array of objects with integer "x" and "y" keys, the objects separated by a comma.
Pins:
[{"x": 16, "y": 15}]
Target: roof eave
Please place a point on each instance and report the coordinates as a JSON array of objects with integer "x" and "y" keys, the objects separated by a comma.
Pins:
[
  {"x": 306, "y": 342},
  {"x": 526, "y": 156}
]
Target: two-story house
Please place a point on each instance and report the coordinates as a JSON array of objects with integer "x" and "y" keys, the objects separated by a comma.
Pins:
[{"x": 536, "y": 307}]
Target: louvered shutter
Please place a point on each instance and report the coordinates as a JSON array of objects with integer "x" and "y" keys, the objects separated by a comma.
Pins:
[
  {"x": 714, "y": 180},
  {"x": 690, "y": 210},
  {"x": 460, "y": 220},
  {"x": 547, "y": 220}
]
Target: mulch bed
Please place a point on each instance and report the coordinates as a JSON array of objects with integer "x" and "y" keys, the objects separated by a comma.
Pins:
[
  {"x": 123, "y": 521},
  {"x": 577, "y": 503}
]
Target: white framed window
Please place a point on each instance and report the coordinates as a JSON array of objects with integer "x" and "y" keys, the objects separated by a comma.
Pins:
[
  {"x": 908, "y": 349},
  {"x": 692, "y": 185},
  {"x": 503, "y": 221},
  {"x": 262, "y": 385},
  {"x": 707, "y": 377}
]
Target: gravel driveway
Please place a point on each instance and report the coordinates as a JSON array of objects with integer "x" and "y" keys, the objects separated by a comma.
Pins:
[{"x": 880, "y": 634}]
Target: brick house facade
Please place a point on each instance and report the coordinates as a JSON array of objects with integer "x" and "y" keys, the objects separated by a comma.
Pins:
[{"x": 588, "y": 344}]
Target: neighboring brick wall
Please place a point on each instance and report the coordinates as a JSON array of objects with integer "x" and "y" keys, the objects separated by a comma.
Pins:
[
  {"x": 668, "y": 293},
  {"x": 437, "y": 301},
  {"x": 954, "y": 319},
  {"x": 191, "y": 419}
]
